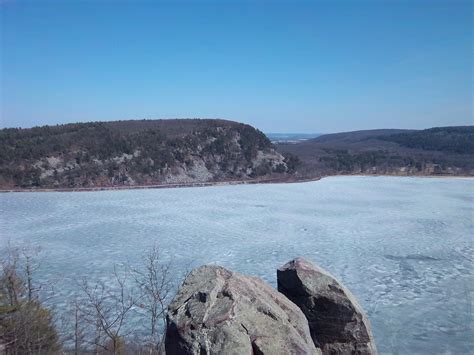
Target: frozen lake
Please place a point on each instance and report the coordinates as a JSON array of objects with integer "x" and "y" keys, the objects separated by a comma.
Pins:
[{"x": 403, "y": 246}]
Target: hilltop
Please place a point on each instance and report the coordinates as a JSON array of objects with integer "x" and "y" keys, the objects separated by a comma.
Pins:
[
  {"x": 142, "y": 152},
  {"x": 434, "y": 151}
]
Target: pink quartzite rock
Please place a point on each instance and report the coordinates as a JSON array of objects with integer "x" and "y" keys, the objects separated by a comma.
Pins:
[
  {"x": 217, "y": 311},
  {"x": 337, "y": 322}
]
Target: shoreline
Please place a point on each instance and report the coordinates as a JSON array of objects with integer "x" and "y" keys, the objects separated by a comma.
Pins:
[
  {"x": 439, "y": 176},
  {"x": 288, "y": 180}
]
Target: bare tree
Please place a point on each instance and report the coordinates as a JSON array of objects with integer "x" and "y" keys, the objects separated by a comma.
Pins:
[
  {"x": 30, "y": 268},
  {"x": 99, "y": 319},
  {"x": 72, "y": 326},
  {"x": 78, "y": 333},
  {"x": 154, "y": 282},
  {"x": 106, "y": 310}
]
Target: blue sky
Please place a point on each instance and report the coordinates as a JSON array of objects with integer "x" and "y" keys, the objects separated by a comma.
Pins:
[{"x": 282, "y": 66}]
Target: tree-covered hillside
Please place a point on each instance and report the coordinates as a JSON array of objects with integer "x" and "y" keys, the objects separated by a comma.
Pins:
[
  {"x": 458, "y": 140},
  {"x": 135, "y": 152},
  {"x": 434, "y": 151}
]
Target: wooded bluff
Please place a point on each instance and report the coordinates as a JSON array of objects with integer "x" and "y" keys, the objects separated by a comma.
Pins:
[{"x": 144, "y": 152}]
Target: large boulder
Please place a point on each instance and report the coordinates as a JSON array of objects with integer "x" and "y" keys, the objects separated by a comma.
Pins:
[
  {"x": 337, "y": 322},
  {"x": 217, "y": 311}
]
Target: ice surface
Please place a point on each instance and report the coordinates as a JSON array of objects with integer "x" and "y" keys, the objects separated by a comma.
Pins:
[{"x": 403, "y": 246}]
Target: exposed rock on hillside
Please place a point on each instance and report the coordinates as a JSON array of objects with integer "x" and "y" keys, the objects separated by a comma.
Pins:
[
  {"x": 131, "y": 153},
  {"x": 221, "y": 312},
  {"x": 337, "y": 323}
]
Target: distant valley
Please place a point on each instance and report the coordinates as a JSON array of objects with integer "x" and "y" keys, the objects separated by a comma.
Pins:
[{"x": 291, "y": 137}]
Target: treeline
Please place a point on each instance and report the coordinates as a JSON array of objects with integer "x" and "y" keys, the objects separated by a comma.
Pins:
[
  {"x": 125, "y": 315},
  {"x": 345, "y": 161},
  {"x": 387, "y": 162},
  {"x": 102, "y": 140}
]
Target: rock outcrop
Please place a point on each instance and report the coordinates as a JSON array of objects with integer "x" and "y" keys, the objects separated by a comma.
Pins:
[
  {"x": 217, "y": 311},
  {"x": 337, "y": 323}
]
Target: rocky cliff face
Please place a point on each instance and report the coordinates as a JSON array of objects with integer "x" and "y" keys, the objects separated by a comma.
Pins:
[
  {"x": 136, "y": 153},
  {"x": 217, "y": 311}
]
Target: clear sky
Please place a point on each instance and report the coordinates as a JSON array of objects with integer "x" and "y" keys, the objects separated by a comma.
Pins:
[{"x": 282, "y": 66}]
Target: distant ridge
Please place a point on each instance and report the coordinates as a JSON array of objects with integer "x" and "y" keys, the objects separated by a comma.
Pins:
[
  {"x": 357, "y": 136},
  {"x": 434, "y": 151}
]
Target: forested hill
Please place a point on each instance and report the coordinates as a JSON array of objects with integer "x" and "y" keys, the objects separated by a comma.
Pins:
[
  {"x": 142, "y": 152},
  {"x": 434, "y": 151},
  {"x": 458, "y": 140}
]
